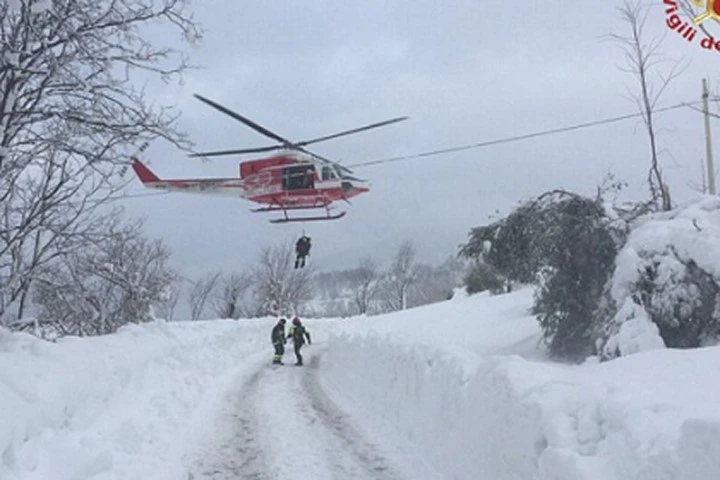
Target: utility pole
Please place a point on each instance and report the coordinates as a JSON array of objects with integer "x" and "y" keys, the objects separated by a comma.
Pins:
[{"x": 708, "y": 141}]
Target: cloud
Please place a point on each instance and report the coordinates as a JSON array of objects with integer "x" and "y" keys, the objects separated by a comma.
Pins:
[{"x": 464, "y": 71}]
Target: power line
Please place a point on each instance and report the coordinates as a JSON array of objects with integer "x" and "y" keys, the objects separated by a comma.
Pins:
[
  {"x": 517, "y": 138},
  {"x": 700, "y": 110}
]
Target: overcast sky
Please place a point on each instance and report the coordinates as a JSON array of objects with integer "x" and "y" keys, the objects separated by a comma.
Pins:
[{"x": 463, "y": 71}]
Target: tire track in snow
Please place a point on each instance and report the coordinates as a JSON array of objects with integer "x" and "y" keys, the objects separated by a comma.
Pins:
[
  {"x": 234, "y": 452},
  {"x": 252, "y": 465},
  {"x": 280, "y": 423},
  {"x": 366, "y": 455}
]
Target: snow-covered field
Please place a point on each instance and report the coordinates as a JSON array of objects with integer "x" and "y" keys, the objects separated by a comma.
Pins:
[{"x": 457, "y": 390}]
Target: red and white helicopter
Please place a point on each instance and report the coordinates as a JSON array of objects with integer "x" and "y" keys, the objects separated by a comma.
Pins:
[{"x": 294, "y": 179}]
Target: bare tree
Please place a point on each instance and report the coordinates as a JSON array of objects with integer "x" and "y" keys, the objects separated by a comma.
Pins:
[
  {"x": 166, "y": 308},
  {"x": 200, "y": 291},
  {"x": 230, "y": 301},
  {"x": 37, "y": 226},
  {"x": 436, "y": 284},
  {"x": 365, "y": 284},
  {"x": 280, "y": 289},
  {"x": 645, "y": 63},
  {"x": 114, "y": 280},
  {"x": 403, "y": 273},
  {"x": 69, "y": 117}
]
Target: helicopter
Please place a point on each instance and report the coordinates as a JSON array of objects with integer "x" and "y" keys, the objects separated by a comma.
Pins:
[{"x": 292, "y": 179}]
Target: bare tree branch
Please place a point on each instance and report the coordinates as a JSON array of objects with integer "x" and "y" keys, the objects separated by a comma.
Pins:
[
  {"x": 113, "y": 280},
  {"x": 230, "y": 300},
  {"x": 401, "y": 276},
  {"x": 644, "y": 61},
  {"x": 200, "y": 293},
  {"x": 280, "y": 289},
  {"x": 366, "y": 285}
]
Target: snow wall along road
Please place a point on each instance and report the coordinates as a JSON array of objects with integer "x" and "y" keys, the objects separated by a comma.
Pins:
[{"x": 506, "y": 417}]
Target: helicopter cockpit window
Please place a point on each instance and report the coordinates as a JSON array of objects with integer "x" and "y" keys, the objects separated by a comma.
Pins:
[
  {"x": 328, "y": 173},
  {"x": 345, "y": 173},
  {"x": 298, "y": 177}
]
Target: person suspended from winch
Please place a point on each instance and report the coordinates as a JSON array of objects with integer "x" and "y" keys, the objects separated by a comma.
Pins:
[{"x": 302, "y": 250}]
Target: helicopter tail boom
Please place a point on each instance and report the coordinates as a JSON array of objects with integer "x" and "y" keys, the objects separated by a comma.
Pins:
[{"x": 144, "y": 173}]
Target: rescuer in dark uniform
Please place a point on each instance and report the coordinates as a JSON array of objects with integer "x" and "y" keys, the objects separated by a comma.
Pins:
[
  {"x": 298, "y": 333},
  {"x": 277, "y": 337}
]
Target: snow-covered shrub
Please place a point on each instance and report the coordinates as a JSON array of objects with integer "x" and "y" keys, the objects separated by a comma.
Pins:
[
  {"x": 681, "y": 304},
  {"x": 565, "y": 243},
  {"x": 667, "y": 279},
  {"x": 635, "y": 332}
]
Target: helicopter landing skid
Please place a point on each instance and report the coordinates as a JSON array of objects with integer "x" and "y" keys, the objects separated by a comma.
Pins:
[
  {"x": 308, "y": 219},
  {"x": 285, "y": 208}
]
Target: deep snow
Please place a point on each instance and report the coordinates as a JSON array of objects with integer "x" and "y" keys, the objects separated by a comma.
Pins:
[{"x": 456, "y": 390}]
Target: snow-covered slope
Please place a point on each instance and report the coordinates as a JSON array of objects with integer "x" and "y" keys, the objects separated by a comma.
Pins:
[
  {"x": 464, "y": 383},
  {"x": 113, "y": 407}
]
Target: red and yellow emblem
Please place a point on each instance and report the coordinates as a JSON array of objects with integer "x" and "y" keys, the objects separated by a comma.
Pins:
[{"x": 712, "y": 10}]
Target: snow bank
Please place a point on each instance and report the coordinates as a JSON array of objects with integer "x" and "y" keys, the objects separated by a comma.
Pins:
[
  {"x": 478, "y": 415},
  {"x": 481, "y": 323},
  {"x": 464, "y": 420},
  {"x": 116, "y": 406}
]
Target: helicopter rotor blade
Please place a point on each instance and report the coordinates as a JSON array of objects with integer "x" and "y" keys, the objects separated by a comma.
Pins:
[
  {"x": 220, "y": 153},
  {"x": 349, "y": 132},
  {"x": 246, "y": 121},
  {"x": 319, "y": 157}
]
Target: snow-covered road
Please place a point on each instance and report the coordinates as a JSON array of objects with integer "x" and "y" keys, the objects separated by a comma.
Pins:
[
  {"x": 279, "y": 422},
  {"x": 455, "y": 390},
  {"x": 230, "y": 448}
]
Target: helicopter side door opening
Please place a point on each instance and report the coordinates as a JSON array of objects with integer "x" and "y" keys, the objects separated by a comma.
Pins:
[{"x": 298, "y": 177}]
